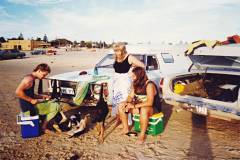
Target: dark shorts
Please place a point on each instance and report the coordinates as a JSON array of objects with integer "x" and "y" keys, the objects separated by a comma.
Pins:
[{"x": 26, "y": 106}]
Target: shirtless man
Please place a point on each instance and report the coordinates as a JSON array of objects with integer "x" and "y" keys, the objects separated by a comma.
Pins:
[{"x": 30, "y": 102}]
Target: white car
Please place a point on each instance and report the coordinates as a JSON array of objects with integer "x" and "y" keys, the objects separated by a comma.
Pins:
[
  {"x": 154, "y": 60},
  {"x": 218, "y": 70}
]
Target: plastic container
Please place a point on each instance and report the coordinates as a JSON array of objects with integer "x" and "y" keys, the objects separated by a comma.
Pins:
[
  {"x": 29, "y": 125},
  {"x": 155, "y": 126}
]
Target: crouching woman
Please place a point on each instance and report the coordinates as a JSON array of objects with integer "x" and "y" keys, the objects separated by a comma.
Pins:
[{"x": 143, "y": 99}]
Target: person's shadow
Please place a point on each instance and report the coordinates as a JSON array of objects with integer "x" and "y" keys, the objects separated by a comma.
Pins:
[{"x": 200, "y": 147}]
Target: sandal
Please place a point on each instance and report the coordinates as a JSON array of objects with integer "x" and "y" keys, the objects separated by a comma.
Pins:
[{"x": 131, "y": 134}]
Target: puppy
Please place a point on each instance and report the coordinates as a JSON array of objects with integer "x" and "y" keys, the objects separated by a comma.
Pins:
[
  {"x": 79, "y": 127},
  {"x": 74, "y": 126}
]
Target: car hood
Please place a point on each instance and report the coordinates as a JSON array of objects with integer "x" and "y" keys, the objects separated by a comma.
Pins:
[
  {"x": 221, "y": 57},
  {"x": 74, "y": 76}
]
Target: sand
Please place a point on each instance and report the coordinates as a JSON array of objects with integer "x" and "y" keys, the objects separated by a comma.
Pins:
[{"x": 185, "y": 136}]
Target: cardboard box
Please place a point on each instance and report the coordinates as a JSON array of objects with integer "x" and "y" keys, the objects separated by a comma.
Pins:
[
  {"x": 155, "y": 126},
  {"x": 29, "y": 125}
]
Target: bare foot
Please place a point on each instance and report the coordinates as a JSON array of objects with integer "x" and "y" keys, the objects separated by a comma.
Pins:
[
  {"x": 139, "y": 142},
  {"x": 141, "y": 139},
  {"x": 47, "y": 131},
  {"x": 100, "y": 139}
]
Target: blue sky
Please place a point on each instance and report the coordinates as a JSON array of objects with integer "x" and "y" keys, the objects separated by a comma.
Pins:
[{"x": 121, "y": 20}]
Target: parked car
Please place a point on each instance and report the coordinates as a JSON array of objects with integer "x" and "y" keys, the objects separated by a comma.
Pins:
[
  {"x": 211, "y": 84},
  {"x": 51, "y": 52},
  {"x": 157, "y": 62},
  {"x": 37, "y": 52},
  {"x": 11, "y": 54}
]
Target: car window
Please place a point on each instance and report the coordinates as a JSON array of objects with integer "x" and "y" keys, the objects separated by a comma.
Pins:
[
  {"x": 106, "y": 62},
  {"x": 152, "y": 63},
  {"x": 140, "y": 57},
  {"x": 167, "y": 58}
]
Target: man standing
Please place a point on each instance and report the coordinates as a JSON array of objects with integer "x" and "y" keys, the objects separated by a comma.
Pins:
[{"x": 30, "y": 103}]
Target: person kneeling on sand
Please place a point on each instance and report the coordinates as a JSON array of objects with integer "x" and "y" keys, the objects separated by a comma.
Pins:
[
  {"x": 33, "y": 104},
  {"x": 143, "y": 99}
]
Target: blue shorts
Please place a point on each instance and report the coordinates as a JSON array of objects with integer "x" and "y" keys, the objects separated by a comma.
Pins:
[{"x": 26, "y": 106}]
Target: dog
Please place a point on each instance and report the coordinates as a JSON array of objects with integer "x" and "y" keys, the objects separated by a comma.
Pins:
[
  {"x": 99, "y": 115},
  {"x": 75, "y": 123}
]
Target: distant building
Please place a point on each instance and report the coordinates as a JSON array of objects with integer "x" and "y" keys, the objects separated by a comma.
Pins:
[
  {"x": 40, "y": 44},
  {"x": 25, "y": 45}
]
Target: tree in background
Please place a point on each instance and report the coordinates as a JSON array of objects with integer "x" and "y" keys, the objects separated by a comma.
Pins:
[
  {"x": 2, "y": 40},
  {"x": 75, "y": 43},
  {"x": 60, "y": 42},
  {"x": 82, "y": 44},
  {"x": 20, "y": 37},
  {"x": 45, "y": 38},
  {"x": 100, "y": 44},
  {"x": 105, "y": 45},
  {"x": 38, "y": 39},
  {"x": 89, "y": 44}
]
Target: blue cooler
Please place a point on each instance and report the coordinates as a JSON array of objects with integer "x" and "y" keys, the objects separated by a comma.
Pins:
[{"x": 29, "y": 125}]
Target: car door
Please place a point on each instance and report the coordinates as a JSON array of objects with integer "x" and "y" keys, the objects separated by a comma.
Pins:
[
  {"x": 6, "y": 54},
  {"x": 153, "y": 68},
  {"x": 14, "y": 54}
]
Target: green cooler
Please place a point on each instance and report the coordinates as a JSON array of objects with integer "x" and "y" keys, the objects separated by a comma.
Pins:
[{"x": 155, "y": 126}]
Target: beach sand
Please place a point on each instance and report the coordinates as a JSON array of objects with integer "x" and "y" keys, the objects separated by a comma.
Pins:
[{"x": 185, "y": 136}]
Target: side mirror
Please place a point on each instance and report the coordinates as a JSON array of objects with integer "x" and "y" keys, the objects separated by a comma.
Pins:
[
  {"x": 146, "y": 68},
  {"x": 95, "y": 70},
  {"x": 151, "y": 67}
]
